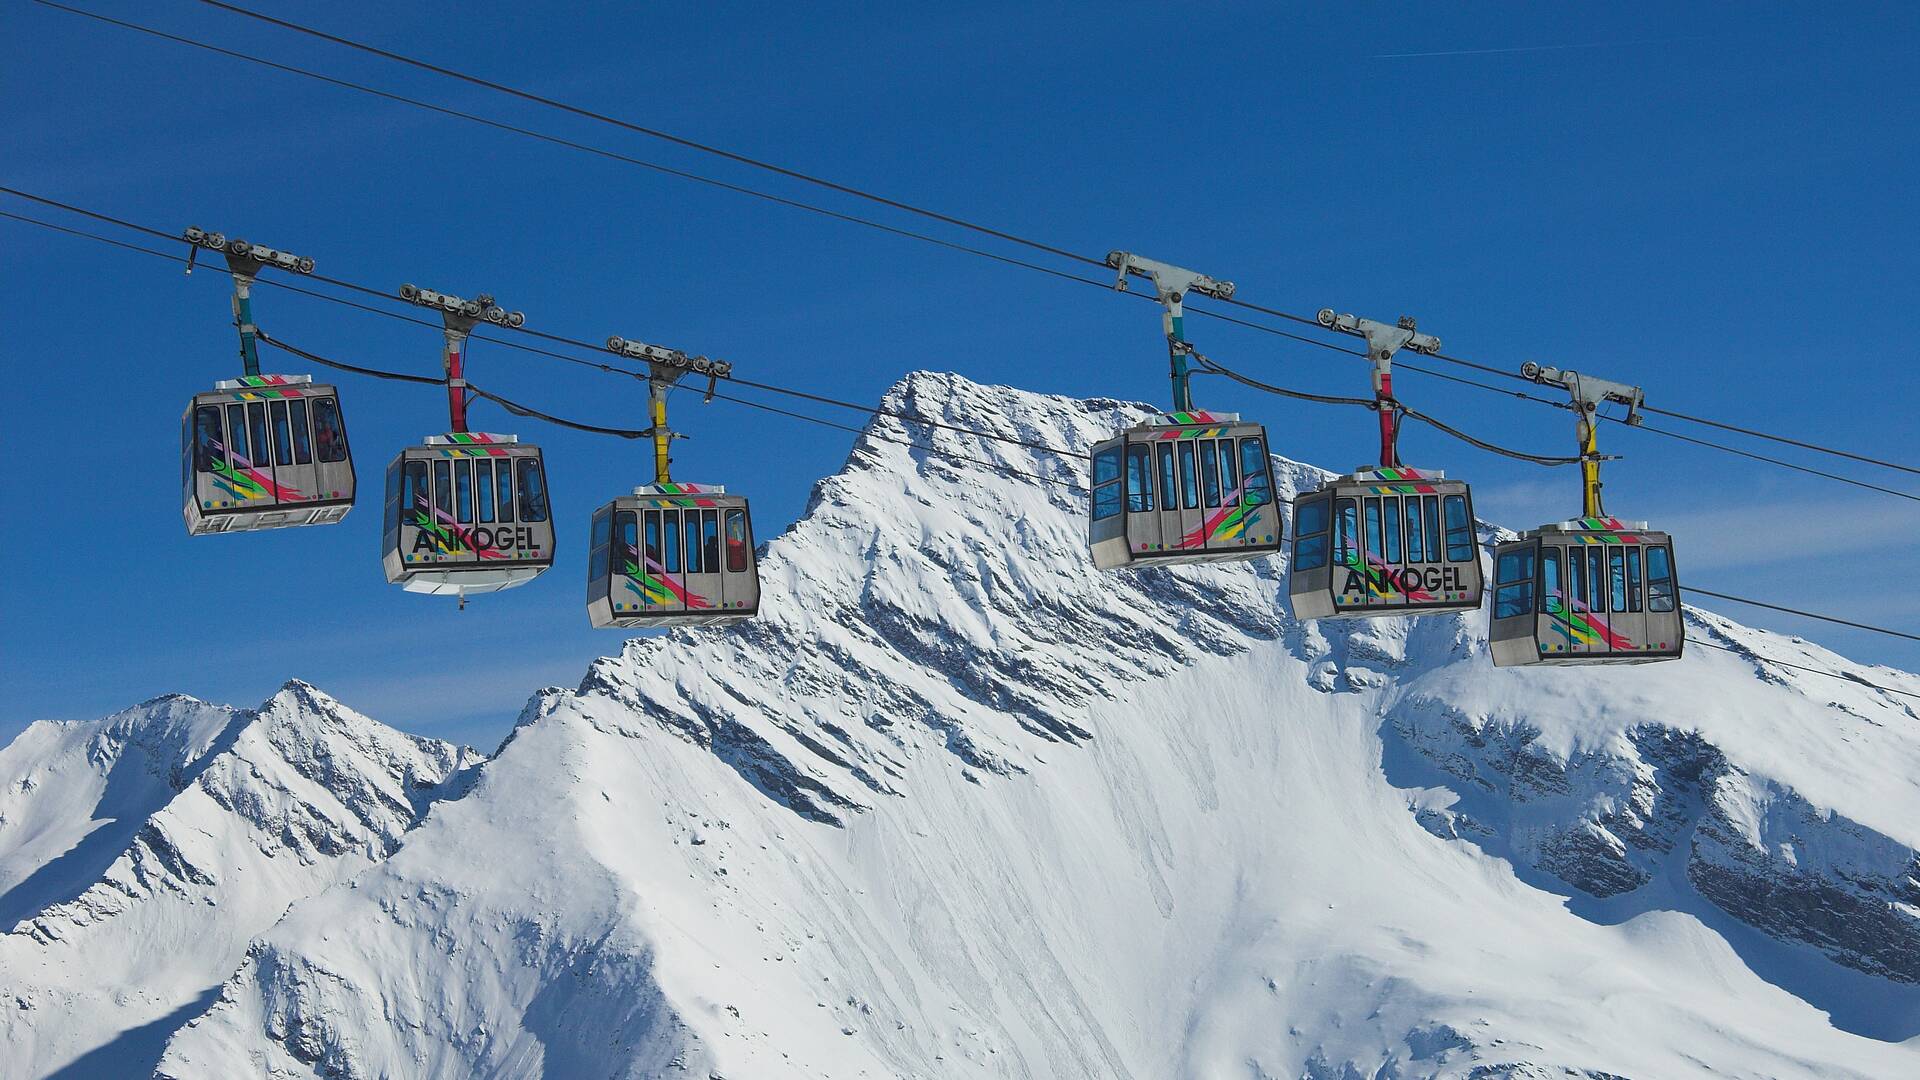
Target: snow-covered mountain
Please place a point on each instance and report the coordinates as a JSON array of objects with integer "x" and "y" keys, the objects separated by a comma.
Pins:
[
  {"x": 958, "y": 804},
  {"x": 139, "y": 854}
]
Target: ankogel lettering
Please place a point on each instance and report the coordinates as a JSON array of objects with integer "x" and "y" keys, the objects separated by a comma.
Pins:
[{"x": 1407, "y": 579}]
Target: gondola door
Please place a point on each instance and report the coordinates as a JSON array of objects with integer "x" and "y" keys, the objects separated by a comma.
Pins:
[
  {"x": 1168, "y": 492},
  {"x": 209, "y": 467},
  {"x": 652, "y": 571},
  {"x": 1375, "y": 561},
  {"x": 741, "y": 590},
  {"x": 249, "y": 472},
  {"x": 1193, "y": 512},
  {"x": 701, "y": 529},
  {"x": 1349, "y": 559},
  {"x": 1625, "y": 597},
  {"x": 1583, "y": 626},
  {"x": 293, "y": 472},
  {"x": 332, "y": 465}
]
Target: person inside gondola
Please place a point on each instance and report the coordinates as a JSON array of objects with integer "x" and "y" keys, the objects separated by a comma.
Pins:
[{"x": 327, "y": 437}]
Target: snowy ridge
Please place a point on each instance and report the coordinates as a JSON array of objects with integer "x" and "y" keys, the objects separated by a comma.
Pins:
[
  {"x": 960, "y": 805},
  {"x": 208, "y": 823}
]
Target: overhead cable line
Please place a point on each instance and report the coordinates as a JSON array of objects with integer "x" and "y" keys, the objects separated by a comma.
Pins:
[
  {"x": 1775, "y": 461},
  {"x": 1854, "y": 679},
  {"x": 907, "y": 417},
  {"x": 557, "y": 140},
  {"x": 1804, "y": 614},
  {"x": 1214, "y": 367},
  {"x": 904, "y": 417},
  {"x": 882, "y": 200},
  {"x": 528, "y": 411},
  {"x": 656, "y": 133},
  {"x": 562, "y": 339},
  {"x": 355, "y": 287},
  {"x": 520, "y": 409},
  {"x": 856, "y": 193}
]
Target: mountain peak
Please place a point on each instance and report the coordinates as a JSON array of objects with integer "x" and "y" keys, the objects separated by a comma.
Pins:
[
  {"x": 957, "y": 802},
  {"x": 164, "y": 837}
]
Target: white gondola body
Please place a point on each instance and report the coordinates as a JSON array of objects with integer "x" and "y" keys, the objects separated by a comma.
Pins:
[
  {"x": 672, "y": 555},
  {"x": 1190, "y": 487},
  {"x": 1588, "y": 591},
  {"x": 1384, "y": 541},
  {"x": 265, "y": 452},
  {"x": 467, "y": 513}
]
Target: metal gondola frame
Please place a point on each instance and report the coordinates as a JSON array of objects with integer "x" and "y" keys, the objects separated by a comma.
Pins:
[
  {"x": 1171, "y": 285},
  {"x": 1383, "y": 341},
  {"x": 459, "y": 317},
  {"x": 244, "y": 261},
  {"x": 1587, "y": 394}
]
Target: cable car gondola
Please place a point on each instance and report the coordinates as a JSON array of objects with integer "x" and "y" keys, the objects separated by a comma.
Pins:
[
  {"x": 1189, "y": 485},
  {"x": 1385, "y": 540},
  {"x": 1594, "y": 589},
  {"x": 266, "y": 452},
  {"x": 466, "y": 512},
  {"x": 671, "y": 554},
  {"x": 261, "y": 451}
]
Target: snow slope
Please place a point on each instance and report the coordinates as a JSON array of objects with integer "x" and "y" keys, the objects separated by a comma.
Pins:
[
  {"x": 140, "y": 853},
  {"x": 960, "y": 805}
]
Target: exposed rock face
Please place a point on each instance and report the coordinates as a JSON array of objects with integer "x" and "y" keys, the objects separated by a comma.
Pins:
[
  {"x": 1610, "y": 821},
  {"x": 1768, "y": 857}
]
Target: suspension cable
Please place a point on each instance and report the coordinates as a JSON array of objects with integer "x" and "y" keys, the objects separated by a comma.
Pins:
[
  {"x": 627, "y": 433},
  {"x": 904, "y": 416},
  {"x": 656, "y": 133},
  {"x": 1855, "y": 679},
  {"x": 355, "y": 287},
  {"x": 1804, "y": 614},
  {"x": 520, "y": 409},
  {"x": 1211, "y": 366},
  {"x": 819, "y": 181},
  {"x": 849, "y": 190},
  {"x": 1258, "y": 385},
  {"x": 524, "y": 410}
]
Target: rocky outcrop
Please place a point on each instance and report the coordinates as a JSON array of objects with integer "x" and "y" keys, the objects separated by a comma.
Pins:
[{"x": 1658, "y": 800}]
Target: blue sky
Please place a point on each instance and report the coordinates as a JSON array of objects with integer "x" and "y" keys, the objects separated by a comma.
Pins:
[{"x": 1714, "y": 201}]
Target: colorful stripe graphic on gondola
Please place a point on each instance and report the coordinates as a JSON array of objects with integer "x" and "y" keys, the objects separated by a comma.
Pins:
[
  {"x": 1193, "y": 433},
  {"x": 1197, "y": 416},
  {"x": 236, "y": 476},
  {"x": 1226, "y": 523},
  {"x": 1611, "y": 530},
  {"x": 267, "y": 385},
  {"x": 1405, "y": 482},
  {"x": 687, "y": 495},
  {"x": 655, "y": 586},
  {"x": 1580, "y": 626},
  {"x": 472, "y": 444}
]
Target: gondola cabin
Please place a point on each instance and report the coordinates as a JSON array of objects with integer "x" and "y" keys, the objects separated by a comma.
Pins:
[
  {"x": 1190, "y": 487},
  {"x": 265, "y": 452},
  {"x": 1589, "y": 591},
  {"x": 1384, "y": 541},
  {"x": 672, "y": 555},
  {"x": 466, "y": 513}
]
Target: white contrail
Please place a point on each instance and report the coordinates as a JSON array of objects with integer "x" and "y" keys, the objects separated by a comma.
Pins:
[{"x": 1530, "y": 48}]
